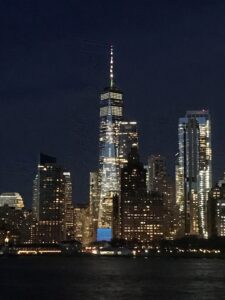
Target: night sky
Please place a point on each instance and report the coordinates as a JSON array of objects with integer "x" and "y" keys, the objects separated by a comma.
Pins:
[{"x": 54, "y": 57}]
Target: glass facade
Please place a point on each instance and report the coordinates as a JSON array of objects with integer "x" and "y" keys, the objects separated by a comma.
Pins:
[
  {"x": 111, "y": 113},
  {"x": 194, "y": 171},
  {"x": 116, "y": 137}
]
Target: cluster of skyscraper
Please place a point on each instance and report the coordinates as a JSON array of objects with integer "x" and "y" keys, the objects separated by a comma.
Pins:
[
  {"x": 132, "y": 201},
  {"x": 127, "y": 200}
]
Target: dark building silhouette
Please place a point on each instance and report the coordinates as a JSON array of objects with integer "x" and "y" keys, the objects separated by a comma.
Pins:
[
  {"x": 127, "y": 138},
  {"x": 94, "y": 194},
  {"x": 16, "y": 225},
  {"x": 156, "y": 172},
  {"x": 159, "y": 181},
  {"x": 133, "y": 198},
  {"x": 116, "y": 217},
  {"x": 11, "y": 221},
  {"x": 141, "y": 213},
  {"x": 157, "y": 212}
]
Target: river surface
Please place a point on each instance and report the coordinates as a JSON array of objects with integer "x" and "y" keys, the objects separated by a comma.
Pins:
[{"x": 102, "y": 278}]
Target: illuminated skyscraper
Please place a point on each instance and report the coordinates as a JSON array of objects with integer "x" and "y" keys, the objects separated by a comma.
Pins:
[
  {"x": 127, "y": 138},
  {"x": 52, "y": 201},
  {"x": 68, "y": 208},
  {"x": 111, "y": 113},
  {"x": 194, "y": 171}
]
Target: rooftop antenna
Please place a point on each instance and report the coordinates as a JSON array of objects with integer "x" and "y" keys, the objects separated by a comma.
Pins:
[{"x": 111, "y": 67}]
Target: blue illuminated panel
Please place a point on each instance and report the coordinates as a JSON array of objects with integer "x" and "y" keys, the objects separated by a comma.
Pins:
[{"x": 104, "y": 234}]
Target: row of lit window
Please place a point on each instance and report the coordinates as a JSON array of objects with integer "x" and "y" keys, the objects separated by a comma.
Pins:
[
  {"x": 111, "y": 96},
  {"x": 114, "y": 110}
]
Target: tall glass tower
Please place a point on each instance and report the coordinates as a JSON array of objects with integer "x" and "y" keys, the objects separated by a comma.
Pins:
[
  {"x": 111, "y": 113},
  {"x": 194, "y": 171}
]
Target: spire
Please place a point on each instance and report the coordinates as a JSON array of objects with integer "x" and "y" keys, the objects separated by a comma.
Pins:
[{"x": 111, "y": 67}]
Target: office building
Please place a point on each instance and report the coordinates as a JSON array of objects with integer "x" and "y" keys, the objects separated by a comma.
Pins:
[
  {"x": 52, "y": 201},
  {"x": 83, "y": 224},
  {"x": 216, "y": 210},
  {"x": 141, "y": 213},
  {"x": 68, "y": 208},
  {"x": 133, "y": 199},
  {"x": 160, "y": 182},
  {"x": 156, "y": 172},
  {"x": 127, "y": 137},
  {"x": 111, "y": 113},
  {"x": 94, "y": 201},
  {"x": 220, "y": 217},
  {"x": 194, "y": 171}
]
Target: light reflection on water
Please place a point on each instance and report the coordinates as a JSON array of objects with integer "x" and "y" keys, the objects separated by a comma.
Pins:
[{"x": 111, "y": 278}]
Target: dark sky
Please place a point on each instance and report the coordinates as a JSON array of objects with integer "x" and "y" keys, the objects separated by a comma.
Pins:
[{"x": 169, "y": 58}]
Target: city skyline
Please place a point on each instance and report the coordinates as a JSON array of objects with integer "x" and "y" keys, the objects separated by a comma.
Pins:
[
  {"x": 112, "y": 176},
  {"x": 164, "y": 72},
  {"x": 125, "y": 122},
  {"x": 129, "y": 201}
]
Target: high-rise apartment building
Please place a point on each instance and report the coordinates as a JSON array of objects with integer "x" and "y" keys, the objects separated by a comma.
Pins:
[
  {"x": 52, "y": 201},
  {"x": 68, "y": 207},
  {"x": 194, "y": 171}
]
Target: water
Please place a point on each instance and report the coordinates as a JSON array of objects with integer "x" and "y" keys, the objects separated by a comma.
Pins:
[{"x": 104, "y": 278}]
